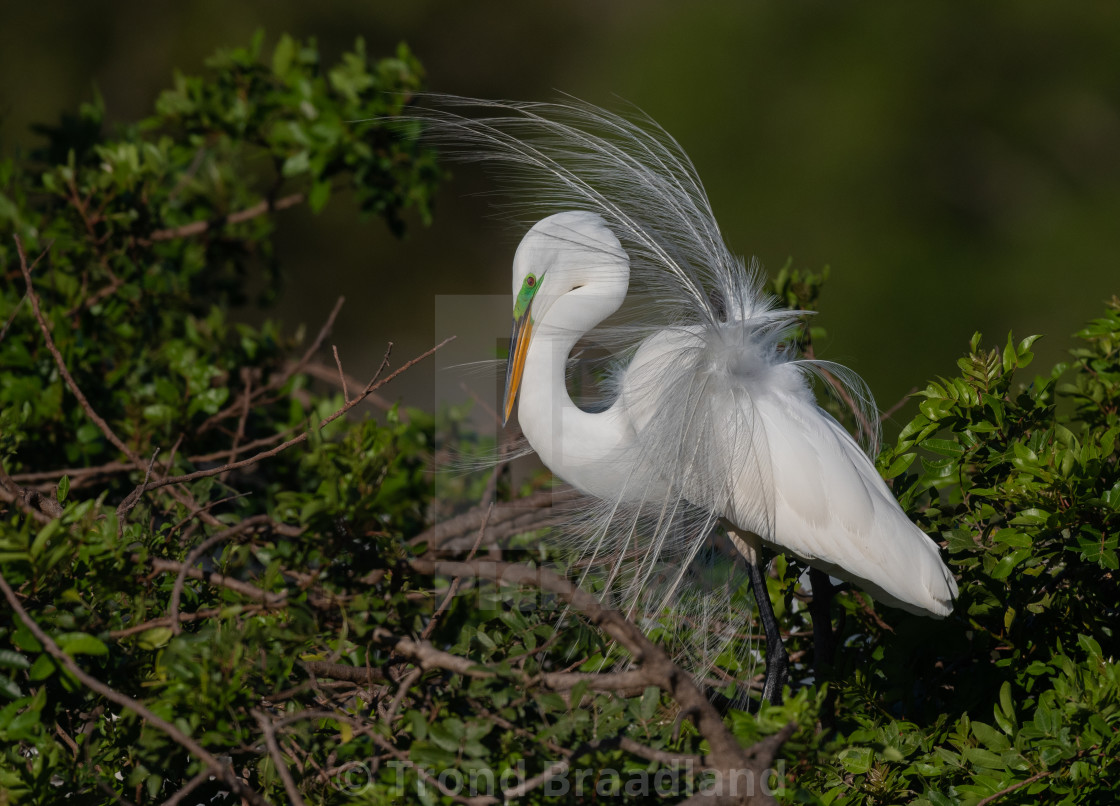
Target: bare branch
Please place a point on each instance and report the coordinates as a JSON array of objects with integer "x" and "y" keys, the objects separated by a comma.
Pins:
[
  {"x": 41, "y": 507},
  {"x": 469, "y": 522},
  {"x": 214, "y": 578},
  {"x": 66, "y": 376},
  {"x": 199, "y": 227},
  {"x": 1038, "y": 776},
  {"x": 133, "y": 498},
  {"x": 166, "y": 621},
  {"x": 408, "y": 682},
  {"x": 427, "y": 656},
  {"x": 362, "y": 675},
  {"x": 726, "y": 754}
]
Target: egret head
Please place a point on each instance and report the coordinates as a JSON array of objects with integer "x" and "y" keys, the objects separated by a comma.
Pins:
[{"x": 567, "y": 252}]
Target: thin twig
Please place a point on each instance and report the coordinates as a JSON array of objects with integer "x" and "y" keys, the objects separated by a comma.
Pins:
[
  {"x": 886, "y": 415},
  {"x": 408, "y": 682},
  {"x": 61, "y": 364},
  {"x": 1025, "y": 782},
  {"x": 12, "y": 317},
  {"x": 67, "y": 740},
  {"x": 321, "y": 372},
  {"x": 41, "y": 507},
  {"x": 188, "y": 787},
  {"x": 362, "y": 675},
  {"x": 194, "y": 513},
  {"x": 269, "y": 733},
  {"x": 133, "y": 498},
  {"x": 865, "y": 606},
  {"x": 341, "y": 374},
  {"x": 246, "y": 407}
]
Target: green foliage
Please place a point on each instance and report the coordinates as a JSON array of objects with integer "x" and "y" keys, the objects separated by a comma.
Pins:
[
  {"x": 1019, "y": 690},
  {"x": 289, "y": 614},
  {"x": 150, "y": 230},
  {"x": 142, "y": 238}
]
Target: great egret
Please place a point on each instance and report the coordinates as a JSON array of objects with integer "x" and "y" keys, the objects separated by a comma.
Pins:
[{"x": 712, "y": 420}]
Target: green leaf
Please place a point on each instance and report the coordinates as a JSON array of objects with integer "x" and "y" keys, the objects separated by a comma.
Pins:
[
  {"x": 13, "y": 660},
  {"x": 900, "y": 465},
  {"x": 44, "y": 536},
  {"x": 857, "y": 760},
  {"x": 1013, "y": 538},
  {"x": 9, "y": 688},
  {"x": 155, "y": 638},
  {"x": 282, "y": 55},
  {"x": 984, "y": 758},
  {"x": 1007, "y": 564},
  {"x": 990, "y": 738},
  {"x": 320, "y": 194},
  {"x": 296, "y": 164},
  {"x": 79, "y": 643},
  {"x": 944, "y": 447},
  {"x": 651, "y": 698},
  {"x": 43, "y": 667}
]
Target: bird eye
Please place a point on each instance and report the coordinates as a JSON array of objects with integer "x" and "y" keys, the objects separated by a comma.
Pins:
[{"x": 530, "y": 281}]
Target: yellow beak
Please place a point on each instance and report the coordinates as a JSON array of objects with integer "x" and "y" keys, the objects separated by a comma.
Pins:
[{"x": 518, "y": 348}]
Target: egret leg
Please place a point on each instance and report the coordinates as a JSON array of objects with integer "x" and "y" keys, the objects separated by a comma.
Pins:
[
  {"x": 820, "y": 606},
  {"x": 777, "y": 659},
  {"x": 824, "y": 638}
]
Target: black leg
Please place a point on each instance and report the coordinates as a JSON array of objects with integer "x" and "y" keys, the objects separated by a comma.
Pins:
[
  {"x": 777, "y": 661},
  {"x": 824, "y": 639}
]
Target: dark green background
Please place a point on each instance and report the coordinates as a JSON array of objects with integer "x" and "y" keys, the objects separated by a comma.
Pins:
[{"x": 957, "y": 164}]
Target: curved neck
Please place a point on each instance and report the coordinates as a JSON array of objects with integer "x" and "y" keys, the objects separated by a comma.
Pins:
[{"x": 576, "y": 445}]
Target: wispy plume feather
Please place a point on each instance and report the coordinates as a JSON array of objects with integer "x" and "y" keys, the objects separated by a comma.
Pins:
[{"x": 702, "y": 441}]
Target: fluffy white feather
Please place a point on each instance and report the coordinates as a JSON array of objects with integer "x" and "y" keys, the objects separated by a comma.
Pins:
[{"x": 712, "y": 416}]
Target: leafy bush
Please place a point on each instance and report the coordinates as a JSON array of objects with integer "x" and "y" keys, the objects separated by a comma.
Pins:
[
  {"x": 214, "y": 581},
  {"x": 1019, "y": 692}
]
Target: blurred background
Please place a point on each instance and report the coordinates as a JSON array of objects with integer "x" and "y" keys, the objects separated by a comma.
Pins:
[{"x": 957, "y": 165}]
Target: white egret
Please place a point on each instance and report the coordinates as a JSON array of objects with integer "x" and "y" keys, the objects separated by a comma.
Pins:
[{"x": 710, "y": 420}]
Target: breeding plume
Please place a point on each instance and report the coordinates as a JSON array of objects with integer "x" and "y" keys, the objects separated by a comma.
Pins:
[{"x": 708, "y": 420}]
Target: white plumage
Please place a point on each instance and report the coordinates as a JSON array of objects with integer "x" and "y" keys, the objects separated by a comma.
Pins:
[{"x": 711, "y": 417}]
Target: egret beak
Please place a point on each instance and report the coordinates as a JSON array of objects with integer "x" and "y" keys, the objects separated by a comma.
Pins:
[{"x": 518, "y": 348}]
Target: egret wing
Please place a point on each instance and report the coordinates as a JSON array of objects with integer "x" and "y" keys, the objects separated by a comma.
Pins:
[{"x": 832, "y": 509}]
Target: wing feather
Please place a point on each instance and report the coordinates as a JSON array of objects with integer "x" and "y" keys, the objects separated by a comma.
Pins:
[{"x": 832, "y": 509}]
